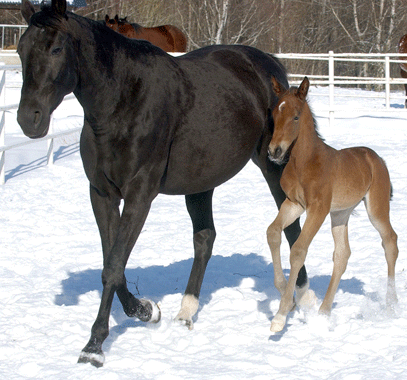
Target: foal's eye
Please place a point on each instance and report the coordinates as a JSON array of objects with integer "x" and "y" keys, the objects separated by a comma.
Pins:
[
  {"x": 56, "y": 51},
  {"x": 296, "y": 118}
]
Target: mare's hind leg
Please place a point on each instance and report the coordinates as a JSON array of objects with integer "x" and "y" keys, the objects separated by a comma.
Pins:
[
  {"x": 377, "y": 203},
  {"x": 199, "y": 207},
  {"x": 272, "y": 174},
  {"x": 339, "y": 225}
]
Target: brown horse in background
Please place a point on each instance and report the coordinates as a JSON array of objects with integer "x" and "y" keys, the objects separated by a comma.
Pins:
[
  {"x": 320, "y": 180},
  {"x": 167, "y": 37},
  {"x": 402, "y": 48}
]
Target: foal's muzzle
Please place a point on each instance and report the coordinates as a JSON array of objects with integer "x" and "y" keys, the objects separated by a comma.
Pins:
[{"x": 276, "y": 154}]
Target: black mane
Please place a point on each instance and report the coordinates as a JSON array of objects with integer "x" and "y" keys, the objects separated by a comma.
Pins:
[{"x": 48, "y": 18}]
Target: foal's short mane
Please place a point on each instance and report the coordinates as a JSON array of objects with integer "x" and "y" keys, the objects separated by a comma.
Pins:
[{"x": 293, "y": 90}]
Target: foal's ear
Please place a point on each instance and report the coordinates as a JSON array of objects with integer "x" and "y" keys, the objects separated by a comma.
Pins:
[
  {"x": 27, "y": 10},
  {"x": 303, "y": 89},
  {"x": 59, "y": 6},
  {"x": 278, "y": 88}
]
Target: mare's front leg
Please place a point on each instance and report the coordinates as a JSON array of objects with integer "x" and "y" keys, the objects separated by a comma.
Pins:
[
  {"x": 118, "y": 234},
  {"x": 316, "y": 214},
  {"x": 199, "y": 207}
]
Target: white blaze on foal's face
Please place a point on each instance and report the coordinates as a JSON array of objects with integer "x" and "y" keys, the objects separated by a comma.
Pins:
[{"x": 286, "y": 126}]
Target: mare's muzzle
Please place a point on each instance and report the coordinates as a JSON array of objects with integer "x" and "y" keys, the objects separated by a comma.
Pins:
[{"x": 33, "y": 121}]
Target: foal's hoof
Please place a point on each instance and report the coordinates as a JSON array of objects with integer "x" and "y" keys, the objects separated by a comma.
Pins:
[
  {"x": 96, "y": 359},
  {"x": 278, "y": 323}
]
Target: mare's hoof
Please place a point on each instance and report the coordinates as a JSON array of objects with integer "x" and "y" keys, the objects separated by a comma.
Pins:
[
  {"x": 153, "y": 311},
  {"x": 278, "y": 323},
  {"x": 185, "y": 322},
  {"x": 96, "y": 359},
  {"x": 189, "y": 307}
]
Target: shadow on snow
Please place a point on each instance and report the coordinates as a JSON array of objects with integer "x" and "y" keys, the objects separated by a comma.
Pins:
[
  {"x": 155, "y": 282},
  {"x": 60, "y": 153}
]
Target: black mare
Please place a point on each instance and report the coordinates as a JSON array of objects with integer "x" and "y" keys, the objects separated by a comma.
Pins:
[{"x": 153, "y": 124}]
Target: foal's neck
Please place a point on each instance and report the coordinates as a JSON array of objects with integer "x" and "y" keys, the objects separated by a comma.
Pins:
[{"x": 308, "y": 140}]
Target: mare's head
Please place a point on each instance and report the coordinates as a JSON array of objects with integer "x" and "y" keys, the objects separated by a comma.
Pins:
[
  {"x": 49, "y": 64},
  {"x": 286, "y": 116}
]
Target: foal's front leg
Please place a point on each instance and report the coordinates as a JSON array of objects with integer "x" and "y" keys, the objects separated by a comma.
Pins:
[
  {"x": 289, "y": 212},
  {"x": 315, "y": 217}
]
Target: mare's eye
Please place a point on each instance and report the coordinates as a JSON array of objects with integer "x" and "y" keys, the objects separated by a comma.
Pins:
[
  {"x": 56, "y": 51},
  {"x": 296, "y": 118}
]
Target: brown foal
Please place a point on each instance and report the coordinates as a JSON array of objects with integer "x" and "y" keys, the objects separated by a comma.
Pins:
[{"x": 320, "y": 180}]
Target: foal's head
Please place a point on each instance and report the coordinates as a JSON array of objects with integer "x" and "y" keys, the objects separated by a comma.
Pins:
[{"x": 286, "y": 117}]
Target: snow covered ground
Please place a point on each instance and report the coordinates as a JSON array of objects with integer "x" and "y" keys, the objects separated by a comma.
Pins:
[{"x": 51, "y": 261}]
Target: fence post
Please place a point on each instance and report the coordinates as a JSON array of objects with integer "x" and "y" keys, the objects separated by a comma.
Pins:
[
  {"x": 2, "y": 126},
  {"x": 50, "y": 143},
  {"x": 331, "y": 74},
  {"x": 387, "y": 77}
]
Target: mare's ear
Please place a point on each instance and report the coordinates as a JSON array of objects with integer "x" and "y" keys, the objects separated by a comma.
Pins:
[
  {"x": 116, "y": 18},
  {"x": 278, "y": 88},
  {"x": 303, "y": 89},
  {"x": 107, "y": 18},
  {"x": 27, "y": 10},
  {"x": 59, "y": 6}
]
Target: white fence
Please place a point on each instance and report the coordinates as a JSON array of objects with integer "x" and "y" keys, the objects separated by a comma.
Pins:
[
  {"x": 51, "y": 136},
  {"x": 11, "y": 34},
  {"x": 330, "y": 80}
]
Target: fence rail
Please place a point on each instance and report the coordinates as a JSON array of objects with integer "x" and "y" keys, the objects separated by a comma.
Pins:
[
  {"x": 11, "y": 34},
  {"x": 330, "y": 80}
]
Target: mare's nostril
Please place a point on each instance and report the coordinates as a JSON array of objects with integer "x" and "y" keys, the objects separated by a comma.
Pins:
[{"x": 37, "y": 118}]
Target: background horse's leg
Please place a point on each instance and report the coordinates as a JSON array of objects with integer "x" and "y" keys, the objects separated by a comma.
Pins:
[
  {"x": 199, "y": 207},
  {"x": 117, "y": 247},
  {"x": 403, "y": 74},
  {"x": 272, "y": 174}
]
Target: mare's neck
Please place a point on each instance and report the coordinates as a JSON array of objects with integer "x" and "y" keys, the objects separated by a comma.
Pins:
[{"x": 111, "y": 68}]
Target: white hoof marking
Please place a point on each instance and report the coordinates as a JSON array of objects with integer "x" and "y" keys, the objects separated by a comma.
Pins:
[
  {"x": 278, "y": 323},
  {"x": 189, "y": 307},
  {"x": 95, "y": 359},
  {"x": 155, "y": 311}
]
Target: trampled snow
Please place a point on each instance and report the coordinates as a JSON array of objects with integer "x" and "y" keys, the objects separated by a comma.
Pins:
[{"x": 51, "y": 262}]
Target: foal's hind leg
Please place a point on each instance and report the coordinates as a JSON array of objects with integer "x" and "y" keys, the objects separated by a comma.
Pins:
[
  {"x": 199, "y": 207},
  {"x": 377, "y": 203}
]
